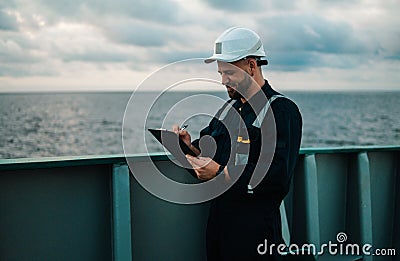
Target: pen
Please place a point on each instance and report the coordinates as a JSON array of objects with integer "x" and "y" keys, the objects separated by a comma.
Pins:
[{"x": 184, "y": 127}]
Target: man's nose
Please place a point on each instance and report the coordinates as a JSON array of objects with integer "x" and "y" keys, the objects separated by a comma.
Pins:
[{"x": 224, "y": 79}]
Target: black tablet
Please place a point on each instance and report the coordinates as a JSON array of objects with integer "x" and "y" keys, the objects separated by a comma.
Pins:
[{"x": 171, "y": 141}]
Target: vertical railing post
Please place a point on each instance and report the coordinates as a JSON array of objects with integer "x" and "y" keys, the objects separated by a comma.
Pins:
[
  {"x": 364, "y": 188},
  {"x": 396, "y": 223},
  {"x": 121, "y": 212},
  {"x": 311, "y": 197}
]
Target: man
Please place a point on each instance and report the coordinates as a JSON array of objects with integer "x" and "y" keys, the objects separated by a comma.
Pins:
[{"x": 257, "y": 135}]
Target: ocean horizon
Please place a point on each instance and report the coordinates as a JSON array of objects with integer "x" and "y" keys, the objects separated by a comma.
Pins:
[{"x": 46, "y": 124}]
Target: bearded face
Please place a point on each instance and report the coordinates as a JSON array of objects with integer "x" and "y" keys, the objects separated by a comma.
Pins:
[{"x": 236, "y": 78}]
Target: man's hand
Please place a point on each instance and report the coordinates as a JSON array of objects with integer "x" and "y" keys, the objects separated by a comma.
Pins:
[
  {"x": 204, "y": 167},
  {"x": 185, "y": 137}
]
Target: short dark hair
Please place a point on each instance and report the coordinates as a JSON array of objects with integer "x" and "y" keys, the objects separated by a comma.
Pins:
[{"x": 259, "y": 61}]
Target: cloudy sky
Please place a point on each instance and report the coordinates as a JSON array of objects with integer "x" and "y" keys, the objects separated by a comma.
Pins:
[{"x": 73, "y": 45}]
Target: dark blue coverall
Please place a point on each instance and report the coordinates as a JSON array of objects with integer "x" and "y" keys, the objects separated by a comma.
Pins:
[{"x": 239, "y": 221}]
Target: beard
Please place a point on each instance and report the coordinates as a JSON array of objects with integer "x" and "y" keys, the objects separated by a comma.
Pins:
[
  {"x": 237, "y": 91},
  {"x": 233, "y": 93}
]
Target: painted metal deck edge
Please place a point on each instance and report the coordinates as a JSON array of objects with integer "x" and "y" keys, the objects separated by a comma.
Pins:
[{"x": 65, "y": 161}]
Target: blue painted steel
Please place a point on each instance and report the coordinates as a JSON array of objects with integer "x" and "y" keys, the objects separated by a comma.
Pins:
[
  {"x": 365, "y": 215},
  {"x": 311, "y": 197},
  {"x": 121, "y": 213},
  {"x": 93, "y": 205}
]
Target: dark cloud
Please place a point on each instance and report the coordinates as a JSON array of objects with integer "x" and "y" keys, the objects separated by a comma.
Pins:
[
  {"x": 26, "y": 69},
  {"x": 174, "y": 55},
  {"x": 163, "y": 11},
  {"x": 285, "y": 5},
  {"x": 255, "y": 6},
  {"x": 98, "y": 57},
  {"x": 8, "y": 22},
  {"x": 390, "y": 54},
  {"x": 297, "y": 42},
  {"x": 394, "y": 57},
  {"x": 51, "y": 36},
  {"x": 337, "y": 3},
  {"x": 137, "y": 33},
  {"x": 293, "y": 61},
  {"x": 13, "y": 52},
  {"x": 304, "y": 60},
  {"x": 17, "y": 58},
  {"x": 7, "y": 70},
  {"x": 310, "y": 33},
  {"x": 136, "y": 22},
  {"x": 237, "y": 5}
]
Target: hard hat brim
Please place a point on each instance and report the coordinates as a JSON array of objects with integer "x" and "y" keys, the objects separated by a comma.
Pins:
[
  {"x": 223, "y": 58},
  {"x": 230, "y": 58}
]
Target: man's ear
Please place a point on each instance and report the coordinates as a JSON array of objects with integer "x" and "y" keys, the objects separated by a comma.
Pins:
[{"x": 253, "y": 66}]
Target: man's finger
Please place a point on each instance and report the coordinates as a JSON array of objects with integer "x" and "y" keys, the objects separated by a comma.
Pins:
[
  {"x": 199, "y": 162},
  {"x": 175, "y": 128},
  {"x": 203, "y": 161},
  {"x": 193, "y": 161}
]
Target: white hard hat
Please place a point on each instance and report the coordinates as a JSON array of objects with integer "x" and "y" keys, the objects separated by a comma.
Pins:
[{"x": 236, "y": 43}]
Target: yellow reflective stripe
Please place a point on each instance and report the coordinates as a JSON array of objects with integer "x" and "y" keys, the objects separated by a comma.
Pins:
[{"x": 240, "y": 139}]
